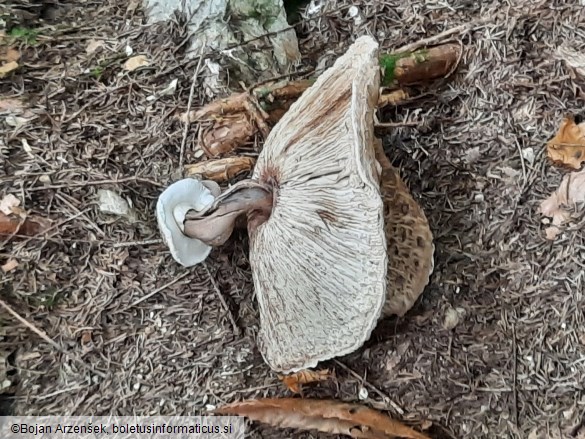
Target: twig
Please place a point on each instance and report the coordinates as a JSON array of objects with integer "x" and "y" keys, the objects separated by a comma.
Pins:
[
  {"x": 189, "y": 103},
  {"x": 47, "y": 339},
  {"x": 396, "y": 124},
  {"x": 158, "y": 290},
  {"x": 258, "y": 115},
  {"x": 222, "y": 300},
  {"x": 435, "y": 38},
  {"x": 93, "y": 183},
  {"x": 515, "y": 379},
  {"x": 136, "y": 243},
  {"x": 385, "y": 397}
]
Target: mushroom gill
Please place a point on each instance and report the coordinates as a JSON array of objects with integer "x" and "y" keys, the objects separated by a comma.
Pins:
[{"x": 315, "y": 219}]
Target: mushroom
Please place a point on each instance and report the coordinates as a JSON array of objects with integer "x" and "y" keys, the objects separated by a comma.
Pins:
[
  {"x": 337, "y": 241},
  {"x": 410, "y": 241},
  {"x": 171, "y": 208},
  {"x": 315, "y": 219}
]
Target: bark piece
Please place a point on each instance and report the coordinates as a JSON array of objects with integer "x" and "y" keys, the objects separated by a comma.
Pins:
[{"x": 220, "y": 170}]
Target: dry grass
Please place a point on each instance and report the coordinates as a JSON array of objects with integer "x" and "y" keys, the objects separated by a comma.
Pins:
[{"x": 513, "y": 366}]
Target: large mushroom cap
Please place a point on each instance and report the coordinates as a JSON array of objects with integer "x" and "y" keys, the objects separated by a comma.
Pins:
[
  {"x": 315, "y": 219},
  {"x": 319, "y": 262}
]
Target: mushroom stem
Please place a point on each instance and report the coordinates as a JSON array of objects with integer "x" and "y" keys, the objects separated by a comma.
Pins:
[{"x": 215, "y": 225}]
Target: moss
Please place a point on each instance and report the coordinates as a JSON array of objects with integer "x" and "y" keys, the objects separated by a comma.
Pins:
[
  {"x": 96, "y": 72},
  {"x": 388, "y": 63},
  {"x": 28, "y": 36}
]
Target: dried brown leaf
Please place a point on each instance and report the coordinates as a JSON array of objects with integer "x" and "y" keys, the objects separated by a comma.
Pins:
[
  {"x": 7, "y": 68},
  {"x": 327, "y": 416},
  {"x": 567, "y": 147},
  {"x": 570, "y": 192},
  {"x": 294, "y": 381},
  {"x": 24, "y": 226},
  {"x": 136, "y": 62},
  {"x": 9, "y": 54},
  {"x": 220, "y": 170}
]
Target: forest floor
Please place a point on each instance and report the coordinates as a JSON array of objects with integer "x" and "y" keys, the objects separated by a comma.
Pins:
[{"x": 152, "y": 337}]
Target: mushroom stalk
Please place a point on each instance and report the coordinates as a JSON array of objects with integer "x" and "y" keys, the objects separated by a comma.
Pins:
[{"x": 215, "y": 225}]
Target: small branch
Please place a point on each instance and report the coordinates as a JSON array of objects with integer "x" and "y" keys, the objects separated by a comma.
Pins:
[
  {"x": 189, "y": 103},
  {"x": 137, "y": 243},
  {"x": 396, "y": 124},
  {"x": 47, "y": 339},
  {"x": 93, "y": 183},
  {"x": 515, "y": 373},
  {"x": 385, "y": 397},
  {"x": 222, "y": 300},
  {"x": 436, "y": 38},
  {"x": 158, "y": 290}
]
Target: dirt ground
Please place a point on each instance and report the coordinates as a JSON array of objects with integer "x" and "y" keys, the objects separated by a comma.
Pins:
[{"x": 155, "y": 338}]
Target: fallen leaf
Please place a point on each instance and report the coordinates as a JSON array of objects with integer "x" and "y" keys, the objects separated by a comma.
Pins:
[
  {"x": 528, "y": 155},
  {"x": 294, "y": 381},
  {"x": 86, "y": 338},
  {"x": 112, "y": 203},
  {"x": 168, "y": 90},
  {"x": 7, "y": 68},
  {"x": 222, "y": 169},
  {"x": 93, "y": 46},
  {"x": 23, "y": 226},
  {"x": 575, "y": 60},
  {"x": 453, "y": 317},
  {"x": 10, "y": 105},
  {"x": 551, "y": 233},
  {"x": 570, "y": 192},
  {"x": 8, "y": 203},
  {"x": 10, "y": 265},
  {"x": 136, "y": 62},
  {"x": 16, "y": 121},
  {"x": 567, "y": 147},
  {"x": 327, "y": 416},
  {"x": 9, "y": 54}
]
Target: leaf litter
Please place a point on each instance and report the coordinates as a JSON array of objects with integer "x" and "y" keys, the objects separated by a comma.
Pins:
[{"x": 488, "y": 260}]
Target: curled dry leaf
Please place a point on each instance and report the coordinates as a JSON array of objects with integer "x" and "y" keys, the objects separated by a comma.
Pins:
[
  {"x": 567, "y": 147},
  {"x": 294, "y": 381},
  {"x": 570, "y": 192},
  {"x": 220, "y": 170},
  {"x": 327, "y": 416},
  {"x": 136, "y": 62}
]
